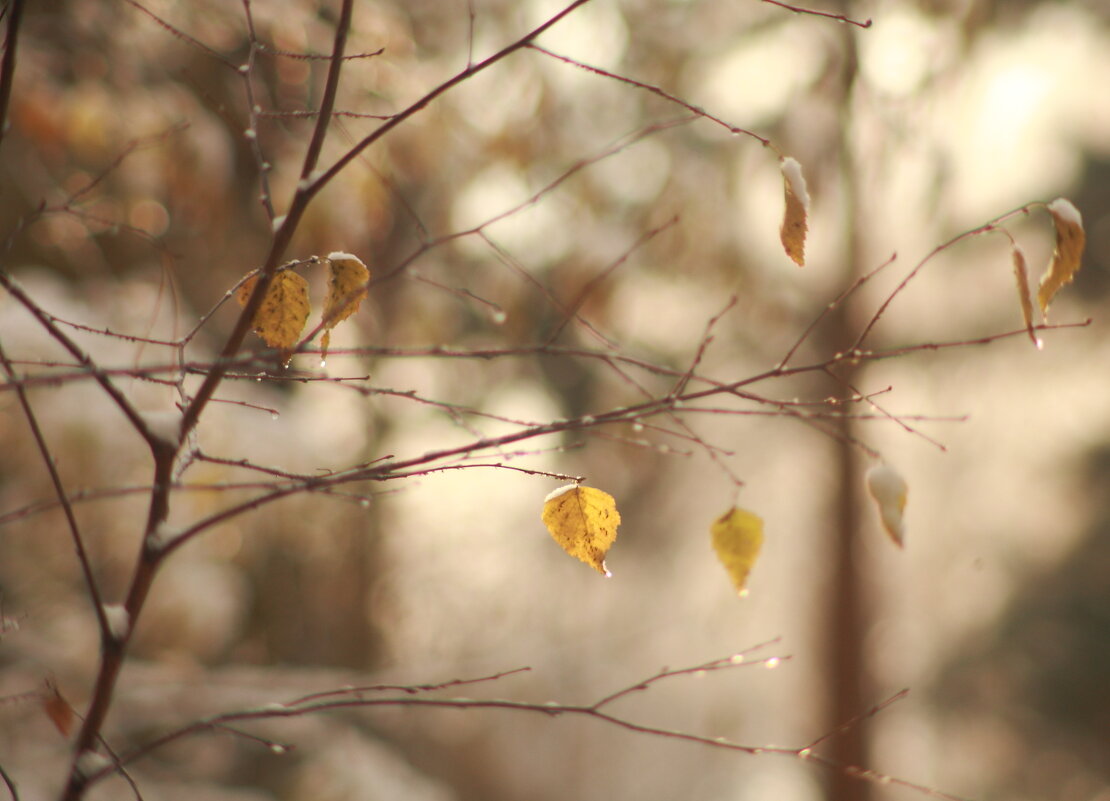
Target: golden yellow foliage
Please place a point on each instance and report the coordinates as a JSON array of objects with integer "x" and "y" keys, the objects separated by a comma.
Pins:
[
  {"x": 347, "y": 278},
  {"x": 1070, "y": 239},
  {"x": 737, "y": 536},
  {"x": 794, "y": 226},
  {"x": 281, "y": 317},
  {"x": 584, "y": 521}
]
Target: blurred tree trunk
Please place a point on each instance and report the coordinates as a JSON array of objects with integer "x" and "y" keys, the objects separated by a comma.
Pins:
[{"x": 847, "y": 620}]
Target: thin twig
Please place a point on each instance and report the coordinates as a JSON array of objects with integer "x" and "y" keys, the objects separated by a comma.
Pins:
[
  {"x": 697, "y": 111},
  {"x": 838, "y": 17},
  {"x": 10, "y": 784},
  {"x": 63, "y": 498}
]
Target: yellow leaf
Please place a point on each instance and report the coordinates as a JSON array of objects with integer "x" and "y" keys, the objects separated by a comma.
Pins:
[
  {"x": 584, "y": 521},
  {"x": 793, "y": 229},
  {"x": 284, "y": 311},
  {"x": 347, "y": 277},
  {"x": 737, "y": 537},
  {"x": 1070, "y": 239},
  {"x": 1021, "y": 276},
  {"x": 889, "y": 491}
]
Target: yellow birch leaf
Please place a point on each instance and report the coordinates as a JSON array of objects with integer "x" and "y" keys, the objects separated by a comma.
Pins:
[
  {"x": 889, "y": 491},
  {"x": 1021, "y": 276},
  {"x": 1070, "y": 239},
  {"x": 284, "y": 311},
  {"x": 737, "y": 536},
  {"x": 347, "y": 277},
  {"x": 584, "y": 521},
  {"x": 793, "y": 229}
]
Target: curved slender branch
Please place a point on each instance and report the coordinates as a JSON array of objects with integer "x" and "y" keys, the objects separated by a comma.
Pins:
[{"x": 7, "y": 64}]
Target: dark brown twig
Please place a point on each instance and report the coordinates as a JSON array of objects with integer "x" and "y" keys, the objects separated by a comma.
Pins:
[{"x": 7, "y": 63}]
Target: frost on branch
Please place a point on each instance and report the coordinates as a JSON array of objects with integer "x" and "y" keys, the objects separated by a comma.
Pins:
[
  {"x": 1070, "y": 239},
  {"x": 794, "y": 225},
  {"x": 119, "y": 622},
  {"x": 584, "y": 521}
]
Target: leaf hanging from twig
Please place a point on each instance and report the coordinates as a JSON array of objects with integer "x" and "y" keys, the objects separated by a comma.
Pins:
[
  {"x": 347, "y": 277},
  {"x": 1025, "y": 298},
  {"x": 584, "y": 521},
  {"x": 284, "y": 311},
  {"x": 737, "y": 536},
  {"x": 794, "y": 225},
  {"x": 1070, "y": 239}
]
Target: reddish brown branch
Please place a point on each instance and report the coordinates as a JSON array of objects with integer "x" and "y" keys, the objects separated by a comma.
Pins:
[
  {"x": 697, "y": 111},
  {"x": 838, "y": 17}
]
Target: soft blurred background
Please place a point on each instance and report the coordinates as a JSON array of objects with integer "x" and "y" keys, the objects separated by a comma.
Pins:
[{"x": 940, "y": 116}]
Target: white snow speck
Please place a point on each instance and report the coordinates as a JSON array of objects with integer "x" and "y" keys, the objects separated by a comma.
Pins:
[
  {"x": 119, "y": 622},
  {"x": 161, "y": 537},
  {"x": 90, "y": 763},
  {"x": 278, "y": 222},
  {"x": 164, "y": 425}
]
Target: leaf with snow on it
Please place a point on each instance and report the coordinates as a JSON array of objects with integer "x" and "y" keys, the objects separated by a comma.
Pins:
[
  {"x": 1066, "y": 258},
  {"x": 284, "y": 311},
  {"x": 737, "y": 537},
  {"x": 584, "y": 521},
  {"x": 347, "y": 279},
  {"x": 889, "y": 491},
  {"x": 794, "y": 220},
  {"x": 1025, "y": 297}
]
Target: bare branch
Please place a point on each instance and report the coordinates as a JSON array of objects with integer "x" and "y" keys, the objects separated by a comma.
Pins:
[
  {"x": 655, "y": 90},
  {"x": 7, "y": 63},
  {"x": 838, "y": 17},
  {"x": 63, "y": 498}
]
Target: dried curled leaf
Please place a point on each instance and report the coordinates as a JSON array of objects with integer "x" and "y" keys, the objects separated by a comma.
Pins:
[
  {"x": 1070, "y": 239},
  {"x": 57, "y": 708},
  {"x": 284, "y": 311},
  {"x": 794, "y": 225},
  {"x": 1025, "y": 298},
  {"x": 737, "y": 536},
  {"x": 347, "y": 278},
  {"x": 889, "y": 491},
  {"x": 584, "y": 521}
]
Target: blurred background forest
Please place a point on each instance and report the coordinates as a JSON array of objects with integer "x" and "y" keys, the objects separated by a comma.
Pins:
[{"x": 940, "y": 116}]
